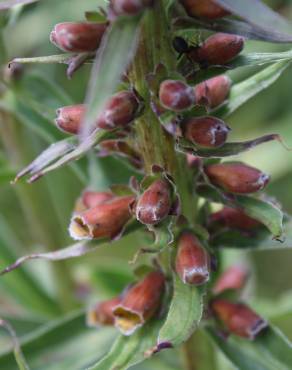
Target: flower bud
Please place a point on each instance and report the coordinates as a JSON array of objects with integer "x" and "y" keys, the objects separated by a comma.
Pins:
[
  {"x": 102, "y": 221},
  {"x": 218, "y": 49},
  {"x": 233, "y": 219},
  {"x": 176, "y": 95},
  {"x": 193, "y": 161},
  {"x": 233, "y": 278},
  {"x": 78, "y": 37},
  {"x": 129, "y": 7},
  {"x": 94, "y": 198},
  {"x": 119, "y": 111},
  {"x": 208, "y": 132},
  {"x": 102, "y": 312},
  {"x": 139, "y": 303},
  {"x": 239, "y": 318},
  {"x": 213, "y": 92},
  {"x": 155, "y": 203},
  {"x": 237, "y": 177},
  {"x": 204, "y": 9},
  {"x": 192, "y": 262},
  {"x": 69, "y": 118},
  {"x": 90, "y": 199}
]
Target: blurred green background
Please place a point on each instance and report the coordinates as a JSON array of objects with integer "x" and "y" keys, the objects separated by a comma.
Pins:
[{"x": 35, "y": 217}]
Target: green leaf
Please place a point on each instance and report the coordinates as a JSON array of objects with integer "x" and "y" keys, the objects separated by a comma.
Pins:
[
  {"x": 98, "y": 17},
  {"x": 243, "y": 91},
  {"x": 128, "y": 351},
  {"x": 263, "y": 211},
  {"x": 7, "y": 4},
  {"x": 62, "y": 153},
  {"x": 228, "y": 149},
  {"x": 184, "y": 314},
  {"x": 62, "y": 344},
  {"x": 258, "y": 240},
  {"x": 257, "y": 13},
  {"x": 20, "y": 360},
  {"x": 232, "y": 26},
  {"x": 269, "y": 351},
  {"x": 120, "y": 41},
  {"x": 72, "y": 251},
  {"x": 48, "y": 59},
  {"x": 21, "y": 286},
  {"x": 258, "y": 59}
]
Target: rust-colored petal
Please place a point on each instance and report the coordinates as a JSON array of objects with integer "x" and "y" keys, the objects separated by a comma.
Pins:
[
  {"x": 192, "y": 260},
  {"x": 139, "y": 303},
  {"x": 78, "y": 37},
  {"x": 239, "y": 318},
  {"x": 102, "y": 221},
  {"x": 155, "y": 203},
  {"x": 237, "y": 177}
]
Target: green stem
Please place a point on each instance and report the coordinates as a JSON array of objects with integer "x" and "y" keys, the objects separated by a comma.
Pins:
[{"x": 157, "y": 146}]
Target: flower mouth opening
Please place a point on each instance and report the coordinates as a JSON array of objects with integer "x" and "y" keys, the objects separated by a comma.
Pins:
[
  {"x": 79, "y": 230},
  {"x": 127, "y": 321},
  {"x": 257, "y": 328},
  {"x": 198, "y": 276}
]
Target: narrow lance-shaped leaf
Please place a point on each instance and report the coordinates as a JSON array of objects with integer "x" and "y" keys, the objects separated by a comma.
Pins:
[
  {"x": 47, "y": 59},
  {"x": 62, "y": 341},
  {"x": 260, "y": 240},
  {"x": 269, "y": 351},
  {"x": 73, "y": 251},
  {"x": 258, "y": 59},
  {"x": 263, "y": 211},
  {"x": 228, "y": 149},
  {"x": 234, "y": 27},
  {"x": 128, "y": 351},
  {"x": 243, "y": 91},
  {"x": 73, "y": 153},
  {"x": 120, "y": 41},
  {"x": 53, "y": 152},
  {"x": 21, "y": 286},
  {"x": 257, "y": 13},
  {"x": 21, "y": 362},
  {"x": 184, "y": 315},
  {"x": 4, "y": 5}
]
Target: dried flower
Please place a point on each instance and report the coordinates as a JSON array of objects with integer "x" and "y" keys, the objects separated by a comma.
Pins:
[
  {"x": 139, "y": 303},
  {"x": 155, "y": 203},
  {"x": 192, "y": 261},
  {"x": 208, "y": 132},
  {"x": 237, "y": 177},
  {"x": 238, "y": 318},
  {"x": 78, "y": 37}
]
